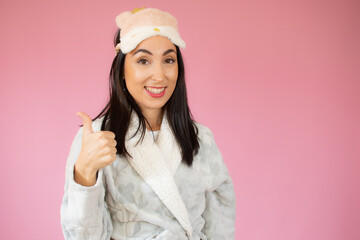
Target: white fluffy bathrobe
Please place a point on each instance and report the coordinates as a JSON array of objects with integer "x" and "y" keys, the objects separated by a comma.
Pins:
[{"x": 152, "y": 195}]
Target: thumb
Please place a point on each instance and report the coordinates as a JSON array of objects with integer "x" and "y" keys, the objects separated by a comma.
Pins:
[{"x": 87, "y": 122}]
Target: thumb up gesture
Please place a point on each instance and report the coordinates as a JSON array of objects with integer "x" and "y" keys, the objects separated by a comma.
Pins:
[{"x": 97, "y": 151}]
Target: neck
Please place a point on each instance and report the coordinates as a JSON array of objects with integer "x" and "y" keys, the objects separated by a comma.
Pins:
[{"x": 154, "y": 118}]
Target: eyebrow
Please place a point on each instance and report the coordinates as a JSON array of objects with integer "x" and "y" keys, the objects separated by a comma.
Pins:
[{"x": 148, "y": 52}]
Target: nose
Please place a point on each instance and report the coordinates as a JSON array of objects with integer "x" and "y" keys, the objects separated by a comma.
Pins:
[{"x": 158, "y": 72}]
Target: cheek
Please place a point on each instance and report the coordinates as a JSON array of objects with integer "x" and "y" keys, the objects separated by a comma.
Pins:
[
  {"x": 134, "y": 78},
  {"x": 133, "y": 74},
  {"x": 139, "y": 74},
  {"x": 172, "y": 80},
  {"x": 172, "y": 75}
]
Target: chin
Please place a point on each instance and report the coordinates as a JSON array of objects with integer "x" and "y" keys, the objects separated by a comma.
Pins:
[{"x": 153, "y": 106}]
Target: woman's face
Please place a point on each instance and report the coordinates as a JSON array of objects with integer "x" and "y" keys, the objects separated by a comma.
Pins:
[{"x": 151, "y": 72}]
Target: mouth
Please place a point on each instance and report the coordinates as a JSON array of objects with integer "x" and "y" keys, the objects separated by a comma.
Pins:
[{"x": 155, "y": 92}]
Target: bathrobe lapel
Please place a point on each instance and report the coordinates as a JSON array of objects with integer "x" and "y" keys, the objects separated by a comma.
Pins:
[{"x": 156, "y": 163}]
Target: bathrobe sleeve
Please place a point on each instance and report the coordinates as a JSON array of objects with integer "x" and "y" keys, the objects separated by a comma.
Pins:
[
  {"x": 84, "y": 213},
  {"x": 219, "y": 214}
]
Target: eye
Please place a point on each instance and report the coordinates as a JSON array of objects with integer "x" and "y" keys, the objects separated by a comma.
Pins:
[
  {"x": 170, "y": 60},
  {"x": 143, "y": 61}
]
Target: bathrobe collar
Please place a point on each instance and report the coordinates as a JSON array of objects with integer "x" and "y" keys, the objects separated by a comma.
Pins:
[{"x": 156, "y": 163}]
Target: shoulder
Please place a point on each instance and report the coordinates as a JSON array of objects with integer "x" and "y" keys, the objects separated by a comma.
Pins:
[{"x": 205, "y": 135}]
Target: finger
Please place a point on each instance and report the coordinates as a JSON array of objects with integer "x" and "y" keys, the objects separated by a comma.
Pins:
[
  {"x": 108, "y": 159},
  {"x": 106, "y": 134},
  {"x": 113, "y": 143},
  {"x": 87, "y": 122},
  {"x": 109, "y": 134},
  {"x": 114, "y": 150}
]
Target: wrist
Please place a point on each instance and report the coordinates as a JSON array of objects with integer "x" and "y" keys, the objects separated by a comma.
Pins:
[{"x": 84, "y": 176}]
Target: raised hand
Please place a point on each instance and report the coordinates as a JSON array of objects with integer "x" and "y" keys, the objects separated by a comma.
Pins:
[{"x": 98, "y": 149}]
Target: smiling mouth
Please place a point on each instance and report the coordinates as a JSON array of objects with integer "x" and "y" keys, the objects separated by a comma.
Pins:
[{"x": 155, "y": 90}]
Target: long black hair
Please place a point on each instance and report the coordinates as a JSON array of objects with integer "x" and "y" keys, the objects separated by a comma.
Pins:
[{"x": 118, "y": 110}]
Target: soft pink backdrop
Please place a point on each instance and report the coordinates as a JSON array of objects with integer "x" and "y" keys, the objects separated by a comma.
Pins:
[{"x": 276, "y": 81}]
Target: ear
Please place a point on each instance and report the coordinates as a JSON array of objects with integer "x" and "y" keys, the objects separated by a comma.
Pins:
[{"x": 121, "y": 19}]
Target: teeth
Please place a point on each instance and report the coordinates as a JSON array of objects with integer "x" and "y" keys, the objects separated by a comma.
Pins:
[{"x": 155, "y": 90}]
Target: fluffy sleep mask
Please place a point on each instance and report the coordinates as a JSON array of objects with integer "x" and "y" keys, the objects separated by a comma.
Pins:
[{"x": 143, "y": 23}]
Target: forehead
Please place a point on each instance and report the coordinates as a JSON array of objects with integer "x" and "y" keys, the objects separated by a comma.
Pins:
[{"x": 156, "y": 44}]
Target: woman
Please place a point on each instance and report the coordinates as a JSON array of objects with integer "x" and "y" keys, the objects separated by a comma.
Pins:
[{"x": 143, "y": 169}]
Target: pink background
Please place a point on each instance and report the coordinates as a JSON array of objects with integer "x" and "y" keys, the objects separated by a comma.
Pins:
[{"x": 276, "y": 81}]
